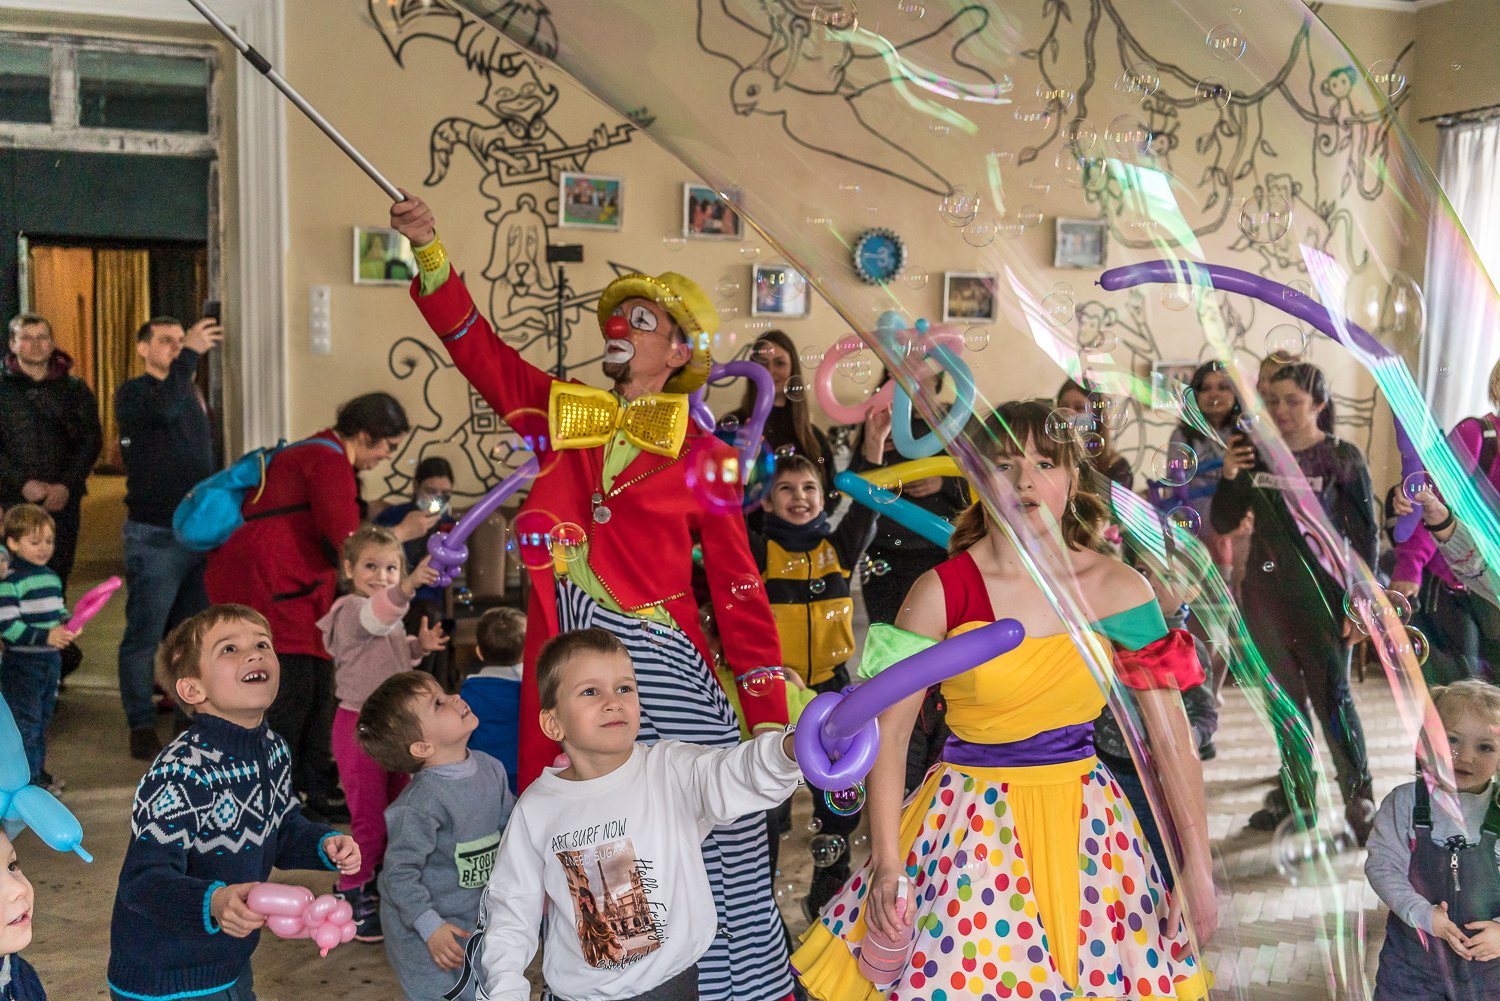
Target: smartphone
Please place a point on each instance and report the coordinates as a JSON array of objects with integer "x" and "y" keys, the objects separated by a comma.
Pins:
[{"x": 212, "y": 310}]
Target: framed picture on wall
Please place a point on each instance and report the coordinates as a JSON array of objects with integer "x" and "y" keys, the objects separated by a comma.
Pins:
[
  {"x": 1080, "y": 243},
  {"x": 706, "y": 216},
  {"x": 968, "y": 297},
  {"x": 1169, "y": 383},
  {"x": 778, "y": 290},
  {"x": 382, "y": 257},
  {"x": 589, "y": 201}
]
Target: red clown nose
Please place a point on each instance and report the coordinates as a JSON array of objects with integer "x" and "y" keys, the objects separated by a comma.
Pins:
[{"x": 616, "y": 328}]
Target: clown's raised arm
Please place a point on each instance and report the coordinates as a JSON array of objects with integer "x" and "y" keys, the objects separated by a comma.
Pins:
[{"x": 613, "y": 461}]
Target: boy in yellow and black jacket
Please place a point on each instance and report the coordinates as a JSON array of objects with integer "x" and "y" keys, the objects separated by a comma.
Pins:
[{"x": 806, "y": 568}]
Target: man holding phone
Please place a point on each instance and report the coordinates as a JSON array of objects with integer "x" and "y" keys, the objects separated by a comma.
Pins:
[{"x": 166, "y": 438}]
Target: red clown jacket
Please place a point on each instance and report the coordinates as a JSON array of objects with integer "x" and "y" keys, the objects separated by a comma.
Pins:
[{"x": 643, "y": 555}]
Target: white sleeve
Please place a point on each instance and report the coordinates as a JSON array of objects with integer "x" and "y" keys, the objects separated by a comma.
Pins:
[
  {"x": 1389, "y": 860},
  {"x": 511, "y": 918},
  {"x": 729, "y": 782}
]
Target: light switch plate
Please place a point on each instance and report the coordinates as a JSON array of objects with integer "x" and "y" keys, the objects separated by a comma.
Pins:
[{"x": 320, "y": 319}]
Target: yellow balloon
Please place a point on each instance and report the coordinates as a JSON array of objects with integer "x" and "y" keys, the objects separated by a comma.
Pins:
[{"x": 915, "y": 469}]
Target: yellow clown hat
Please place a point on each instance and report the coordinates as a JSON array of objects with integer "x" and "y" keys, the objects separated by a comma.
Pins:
[{"x": 686, "y": 302}]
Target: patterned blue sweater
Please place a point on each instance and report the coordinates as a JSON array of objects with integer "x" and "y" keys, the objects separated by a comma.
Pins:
[{"x": 215, "y": 808}]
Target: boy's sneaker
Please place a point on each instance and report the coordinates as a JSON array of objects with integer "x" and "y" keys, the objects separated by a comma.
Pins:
[{"x": 365, "y": 903}]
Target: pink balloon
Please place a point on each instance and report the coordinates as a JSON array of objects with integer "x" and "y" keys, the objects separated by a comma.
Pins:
[
  {"x": 341, "y": 914},
  {"x": 949, "y": 335},
  {"x": 346, "y": 931},
  {"x": 279, "y": 899},
  {"x": 327, "y": 937},
  {"x": 562, "y": 760},
  {"x": 287, "y": 926},
  {"x": 89, "y": 605},
  {"x": 318, "y": 911}
]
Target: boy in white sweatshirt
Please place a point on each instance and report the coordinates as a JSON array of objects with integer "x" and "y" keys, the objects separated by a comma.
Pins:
[{"x": 610, "y": 844}]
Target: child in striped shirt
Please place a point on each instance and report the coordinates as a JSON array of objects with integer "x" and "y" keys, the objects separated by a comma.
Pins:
[{"x": 31, "y": 624}]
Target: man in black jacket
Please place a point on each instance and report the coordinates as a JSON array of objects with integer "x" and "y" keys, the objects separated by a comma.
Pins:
[
  {"x": 49, "y": 432},
  {"x": 167, "y": 441}
]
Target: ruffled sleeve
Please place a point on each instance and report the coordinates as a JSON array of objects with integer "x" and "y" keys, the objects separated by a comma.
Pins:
[
  {"x": 1170, "y": 662},
  {"x": 886, "y": 646}
]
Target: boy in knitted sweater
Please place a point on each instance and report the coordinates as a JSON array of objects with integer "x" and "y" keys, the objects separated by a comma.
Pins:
[
  {"x": 212, "y": 816},
  {"x": 444, "y": 829}
]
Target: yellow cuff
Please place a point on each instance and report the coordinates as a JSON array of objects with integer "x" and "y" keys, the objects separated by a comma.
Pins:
[{"x": 430, "y": 256}]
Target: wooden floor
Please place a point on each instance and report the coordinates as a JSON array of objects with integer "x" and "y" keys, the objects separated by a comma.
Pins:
[{"x": 1313, "y": 939}]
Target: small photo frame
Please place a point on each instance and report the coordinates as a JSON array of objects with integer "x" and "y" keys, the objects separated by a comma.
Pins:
[
  {"x": 1169, "y": 384},
  {"x": 382, "y": 257},
  {"x": 707, "y": 216},
  {"x": 589, "y": 201},
  {"x": 778, "y": 290},
  {"x": 968, "y": 297},
  {"x": 1080, "y": 243}
]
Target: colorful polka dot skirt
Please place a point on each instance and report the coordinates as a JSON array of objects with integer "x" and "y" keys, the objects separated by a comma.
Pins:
[{"x": 980, "y": 933}]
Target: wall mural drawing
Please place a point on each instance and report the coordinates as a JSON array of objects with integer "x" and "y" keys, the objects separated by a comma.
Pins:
[{"x": 520, "y": 155}]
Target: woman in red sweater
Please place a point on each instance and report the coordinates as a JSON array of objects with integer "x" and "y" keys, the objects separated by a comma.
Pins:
[{"x": 283, "y": 562}]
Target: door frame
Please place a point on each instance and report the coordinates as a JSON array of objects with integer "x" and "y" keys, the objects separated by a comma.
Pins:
[{"x": 255, "y": 294}]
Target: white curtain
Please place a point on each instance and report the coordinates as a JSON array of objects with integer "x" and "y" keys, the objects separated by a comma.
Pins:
[{"x": 1462, "y": 342}]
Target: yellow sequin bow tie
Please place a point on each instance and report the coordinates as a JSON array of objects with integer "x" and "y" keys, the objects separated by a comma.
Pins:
[{"x": 582, "y": 417}]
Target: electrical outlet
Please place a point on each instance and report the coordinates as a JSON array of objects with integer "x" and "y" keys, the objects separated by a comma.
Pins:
[{"x": 320, "y": 319}]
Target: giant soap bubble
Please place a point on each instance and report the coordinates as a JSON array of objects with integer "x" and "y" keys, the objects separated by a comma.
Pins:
[{"x": 1249, "y": 186}]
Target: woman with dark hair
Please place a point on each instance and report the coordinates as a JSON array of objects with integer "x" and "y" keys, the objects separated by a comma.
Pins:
[
  {"x": 789, "y": 424},
  {"x": 1293, "y": 593},
  {"x": 1019, "y": 787},
  {"x": 283, "y": 562},
  {"x": 413, "y": 523},
  {"x": 1111, "y": 464},
  {"x": 1216, "y": 399}
]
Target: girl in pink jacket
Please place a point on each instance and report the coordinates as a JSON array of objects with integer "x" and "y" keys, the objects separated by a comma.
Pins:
[{"x": 363, "y": 634}]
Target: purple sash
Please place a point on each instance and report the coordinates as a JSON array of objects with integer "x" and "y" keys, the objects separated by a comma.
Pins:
[{"x": 1066, "y": 743}]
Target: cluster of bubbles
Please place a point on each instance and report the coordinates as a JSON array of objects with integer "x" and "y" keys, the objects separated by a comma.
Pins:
[
  {"x": 872, "y": 567},
  {"x": 827, "y": 849},
  {"x": 1370, "y": 604}
]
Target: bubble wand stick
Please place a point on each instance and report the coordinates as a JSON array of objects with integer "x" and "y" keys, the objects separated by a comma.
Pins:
[{"x": 268, "y": 71}]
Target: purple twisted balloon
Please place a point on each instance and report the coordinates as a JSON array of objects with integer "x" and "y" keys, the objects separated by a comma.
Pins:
[
  {"x": 838, "y": 737},
  {"x": 447, "y": 549},
  {"x": 748, "y": 438},
  {"x": 1314, "y": 314}
]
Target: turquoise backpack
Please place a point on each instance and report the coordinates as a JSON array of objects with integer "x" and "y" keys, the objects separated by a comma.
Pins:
[{"x": 210, "y": 513}]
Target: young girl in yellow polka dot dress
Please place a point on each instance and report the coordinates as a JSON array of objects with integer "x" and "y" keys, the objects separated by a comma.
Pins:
[{"x": 1028, "y": 872}]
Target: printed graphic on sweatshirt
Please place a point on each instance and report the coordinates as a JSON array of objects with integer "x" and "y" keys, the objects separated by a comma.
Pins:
[
  {"x": 618, "y": 924},
  {"x": 476, "y": 860}
]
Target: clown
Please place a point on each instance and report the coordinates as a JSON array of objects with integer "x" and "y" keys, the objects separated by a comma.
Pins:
[{"x": 615, "y": 462}]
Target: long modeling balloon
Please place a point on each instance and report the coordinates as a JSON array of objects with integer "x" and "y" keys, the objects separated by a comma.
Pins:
[
  {"x": 891, "y": 331},
  {"x": 92, "y": 602},
  {"x": 837, "y": 738},
  {"x": 25, "y": 805},
  {"x": 447, "y": 549},
  {"x": 747, "y": 439},
  {"x": 1291, "y": 302},
  {"x": 917, "y": 469},
  {"x": 953, "y": 421},
  {"x": 900, "y": 510}
]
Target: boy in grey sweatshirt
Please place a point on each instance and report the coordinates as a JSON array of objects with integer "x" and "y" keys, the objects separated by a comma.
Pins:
[{"x": 443, "y": 830}]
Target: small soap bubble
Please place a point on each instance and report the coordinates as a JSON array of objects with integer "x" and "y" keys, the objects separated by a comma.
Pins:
[
  {"x": 673, "y": 242},
  {"x": 1128, "y": 137},
  {"x": 1285, "y": 342},
  {"x": 728, "y": 285},
  {"x": 1185, "y": 519},
  {"x": 814, "y": 824},
  {"x": 1265, "y": 220},
  {"x": 1226, "y": 42},
  {"x": 959, "y": 206},
  {"x": 1010, "y": 227},
  {"x": 729, "y": 423},
  {"x": 846, "y": 802},
  {"x": 976, "y": 339},
  {"x": 1079, "y": 137},
  {"x": 1175, "y": 465},
  {"x": 1059, "y": 425},
  {"x": 567, "y": 541},
  {"x": 1034, "y": 116},
  {"x": 911, "y": 10},
  {"x": 811, "y": 357},
  {"x": 1091, "y": 443},
  {"x": 1387, "y": 77},
  {"x": 761, "y": 681},
  {"x": 1058, "y": 308},
  {"x": 817, "y": 585},
  {"x": 939, "y": 128},
  {"x": 1057, "y": 98},
  {"x": 1416, "y": 484},
  {"x": 1400, "y": 604},
  {"x": 796, "y": 389},
  {"x": 745, "y": 587},
  {"x": 1306, "y": 853},
  {"x": 915, "y": 278},
  {"x": 1112, "y": 412},
  {"x": 1176, "y": 297},
  {"x": 1362, "y": 600},
  {"x": 1268, "y": 566},
  {"x": 837, "y": 17},
  {"x": 749, "y": 252},
  {"x": 827, "y": 849},
  {"x": 980, "y": 233},
  {"x": 887, "y": 494},
  {"x": 1139, "y": 80},
  {"x": 1214, "y": 91}
]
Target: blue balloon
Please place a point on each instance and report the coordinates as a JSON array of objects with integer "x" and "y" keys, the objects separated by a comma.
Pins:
[
  {"x": 952, "y": 423},
  {"x": 903, "y": 512},
  {"x": 24, "y": 805}
]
